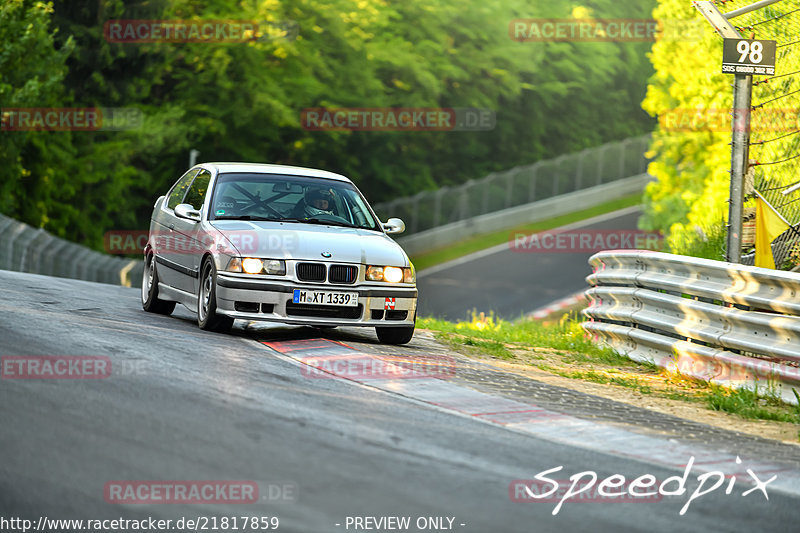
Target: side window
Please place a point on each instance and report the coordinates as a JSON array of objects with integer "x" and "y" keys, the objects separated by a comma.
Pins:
[
  {"x": 197, "y": 192},
  {"x": 179, "y": 189}
]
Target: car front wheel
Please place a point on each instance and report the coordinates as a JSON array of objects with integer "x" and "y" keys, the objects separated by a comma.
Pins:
[
  {"x": 150, "y": 300},
  {"x": 207, "y": 317}
]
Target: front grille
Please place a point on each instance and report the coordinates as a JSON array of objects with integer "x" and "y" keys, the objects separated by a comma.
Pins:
[
  {"x": 377, "y": 314},
  {"x": 323, "y": 311},
  {"x": 342, "y": 274},
  {"x": 310, "y": 271}
]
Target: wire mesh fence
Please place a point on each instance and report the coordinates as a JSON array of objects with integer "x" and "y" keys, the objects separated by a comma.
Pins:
[
  {"x": 27, "y": 249},
  {"x": 775, "y": 143},
  {"x": 520, "y": 185}
]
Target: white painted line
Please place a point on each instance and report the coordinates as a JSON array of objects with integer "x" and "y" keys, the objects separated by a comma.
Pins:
[{"x": 504, "y": 246}]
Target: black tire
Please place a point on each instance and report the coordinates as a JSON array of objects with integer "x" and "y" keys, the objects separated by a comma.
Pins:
[
  {"x": 400, "y": 335},
  {"x": 150, "y": 300},
  {"x": 207, "y": 317}
]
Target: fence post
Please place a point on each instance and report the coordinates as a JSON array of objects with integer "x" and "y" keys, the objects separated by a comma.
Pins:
[
  {"x": 601, "y": 163},
  {"x": 623, "y": 156},
  {"x": 512, "y": 176},
  {"x": 51, "y": 254},
  {"x": 464, "y": 200},
  {"x": 579, "y": 171},
  {"x": 532, "y": 183},
  {"x": 31, "y": 252},
  {"x": 437, "y": 205},
  {"x": 557, "y": 164},
  {"x": 15, "y": 232}
]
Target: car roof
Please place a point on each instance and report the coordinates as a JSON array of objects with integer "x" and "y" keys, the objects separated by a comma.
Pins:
[{"x": 262, "y": 168}]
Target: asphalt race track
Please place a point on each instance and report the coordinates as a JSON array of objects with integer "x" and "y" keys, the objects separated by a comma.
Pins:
[
  {"x": 511, "y": 283},
  {"x": 183, "y": 404}
]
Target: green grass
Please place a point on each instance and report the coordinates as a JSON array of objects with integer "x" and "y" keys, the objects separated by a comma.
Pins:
[
  {"x": 574, "y": 355},
  {"x": 566, "y": 335},
  {"x": 481, "y": 242},
  {"x": 477, "y": 347},
  {"x": 749, "y": 404}
]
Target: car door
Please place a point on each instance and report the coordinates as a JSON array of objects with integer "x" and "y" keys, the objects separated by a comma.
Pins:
[
  {"x": 167, "y": 242},
  {"x": 190, "y": 233}
]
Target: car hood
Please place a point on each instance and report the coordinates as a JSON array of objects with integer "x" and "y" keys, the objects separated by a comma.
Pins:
[{"x": 308, "y": 242}]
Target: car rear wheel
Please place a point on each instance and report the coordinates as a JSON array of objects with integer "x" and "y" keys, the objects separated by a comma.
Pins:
[
  {"x": 150, "y": 300},
  {"x": 395, "y": 335},
  {"x": 207, "y": 317}
]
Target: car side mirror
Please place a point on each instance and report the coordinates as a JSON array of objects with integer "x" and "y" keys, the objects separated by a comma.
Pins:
[
  {"x": 394, "y": 225},
  {"x": 187, "y": 211}
]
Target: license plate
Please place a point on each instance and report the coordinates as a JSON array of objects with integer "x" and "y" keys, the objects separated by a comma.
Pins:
[{"x": 342, "y": 299}]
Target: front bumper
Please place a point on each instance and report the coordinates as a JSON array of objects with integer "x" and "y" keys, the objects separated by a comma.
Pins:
[{"x": 271, "y": 300}]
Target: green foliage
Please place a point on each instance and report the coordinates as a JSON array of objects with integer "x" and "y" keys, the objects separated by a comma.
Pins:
[
  {"x": 31, "y": 74},
  {"x": 689, "y": 200},
  {"x": 243, "y": 101}
]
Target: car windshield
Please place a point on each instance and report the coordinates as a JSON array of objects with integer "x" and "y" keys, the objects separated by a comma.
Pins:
[{"x": 255, "y": 196}]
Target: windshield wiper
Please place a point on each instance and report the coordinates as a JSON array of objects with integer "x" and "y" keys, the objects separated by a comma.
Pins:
[
  {"x": 314, "y": 220},
  {"x": 245, "y": 217}
]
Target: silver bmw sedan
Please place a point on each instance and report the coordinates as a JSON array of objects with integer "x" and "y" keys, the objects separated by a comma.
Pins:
[{"x": 277, "y": 243}]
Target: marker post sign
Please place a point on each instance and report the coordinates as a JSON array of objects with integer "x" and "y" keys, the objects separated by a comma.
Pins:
[{"x": 749, "y": 56}]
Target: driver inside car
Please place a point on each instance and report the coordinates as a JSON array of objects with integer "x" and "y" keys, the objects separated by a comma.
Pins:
[{"x": 314, "y": 203}]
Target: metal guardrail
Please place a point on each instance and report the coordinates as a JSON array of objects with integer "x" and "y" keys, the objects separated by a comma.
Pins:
[
  {"x": 730, "y": 324},
  {"x": 520, "y": 185},
  {"x": 27, "y": 249}
]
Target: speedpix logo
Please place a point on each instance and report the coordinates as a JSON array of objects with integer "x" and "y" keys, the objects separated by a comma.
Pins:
[{"x": 585, "y": 486}]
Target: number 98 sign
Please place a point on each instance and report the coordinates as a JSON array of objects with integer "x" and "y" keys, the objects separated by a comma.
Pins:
[{"x": 748, "y": 56}]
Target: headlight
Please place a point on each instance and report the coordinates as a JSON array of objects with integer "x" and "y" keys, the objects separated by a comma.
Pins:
[
  {"x": 390, "y": 274},
  {"x": 393, "y": 274},
  {"x": 252, "y": 265},
  {"x": 275, "y": 267},
  {"x": 374, "y": 273}
]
